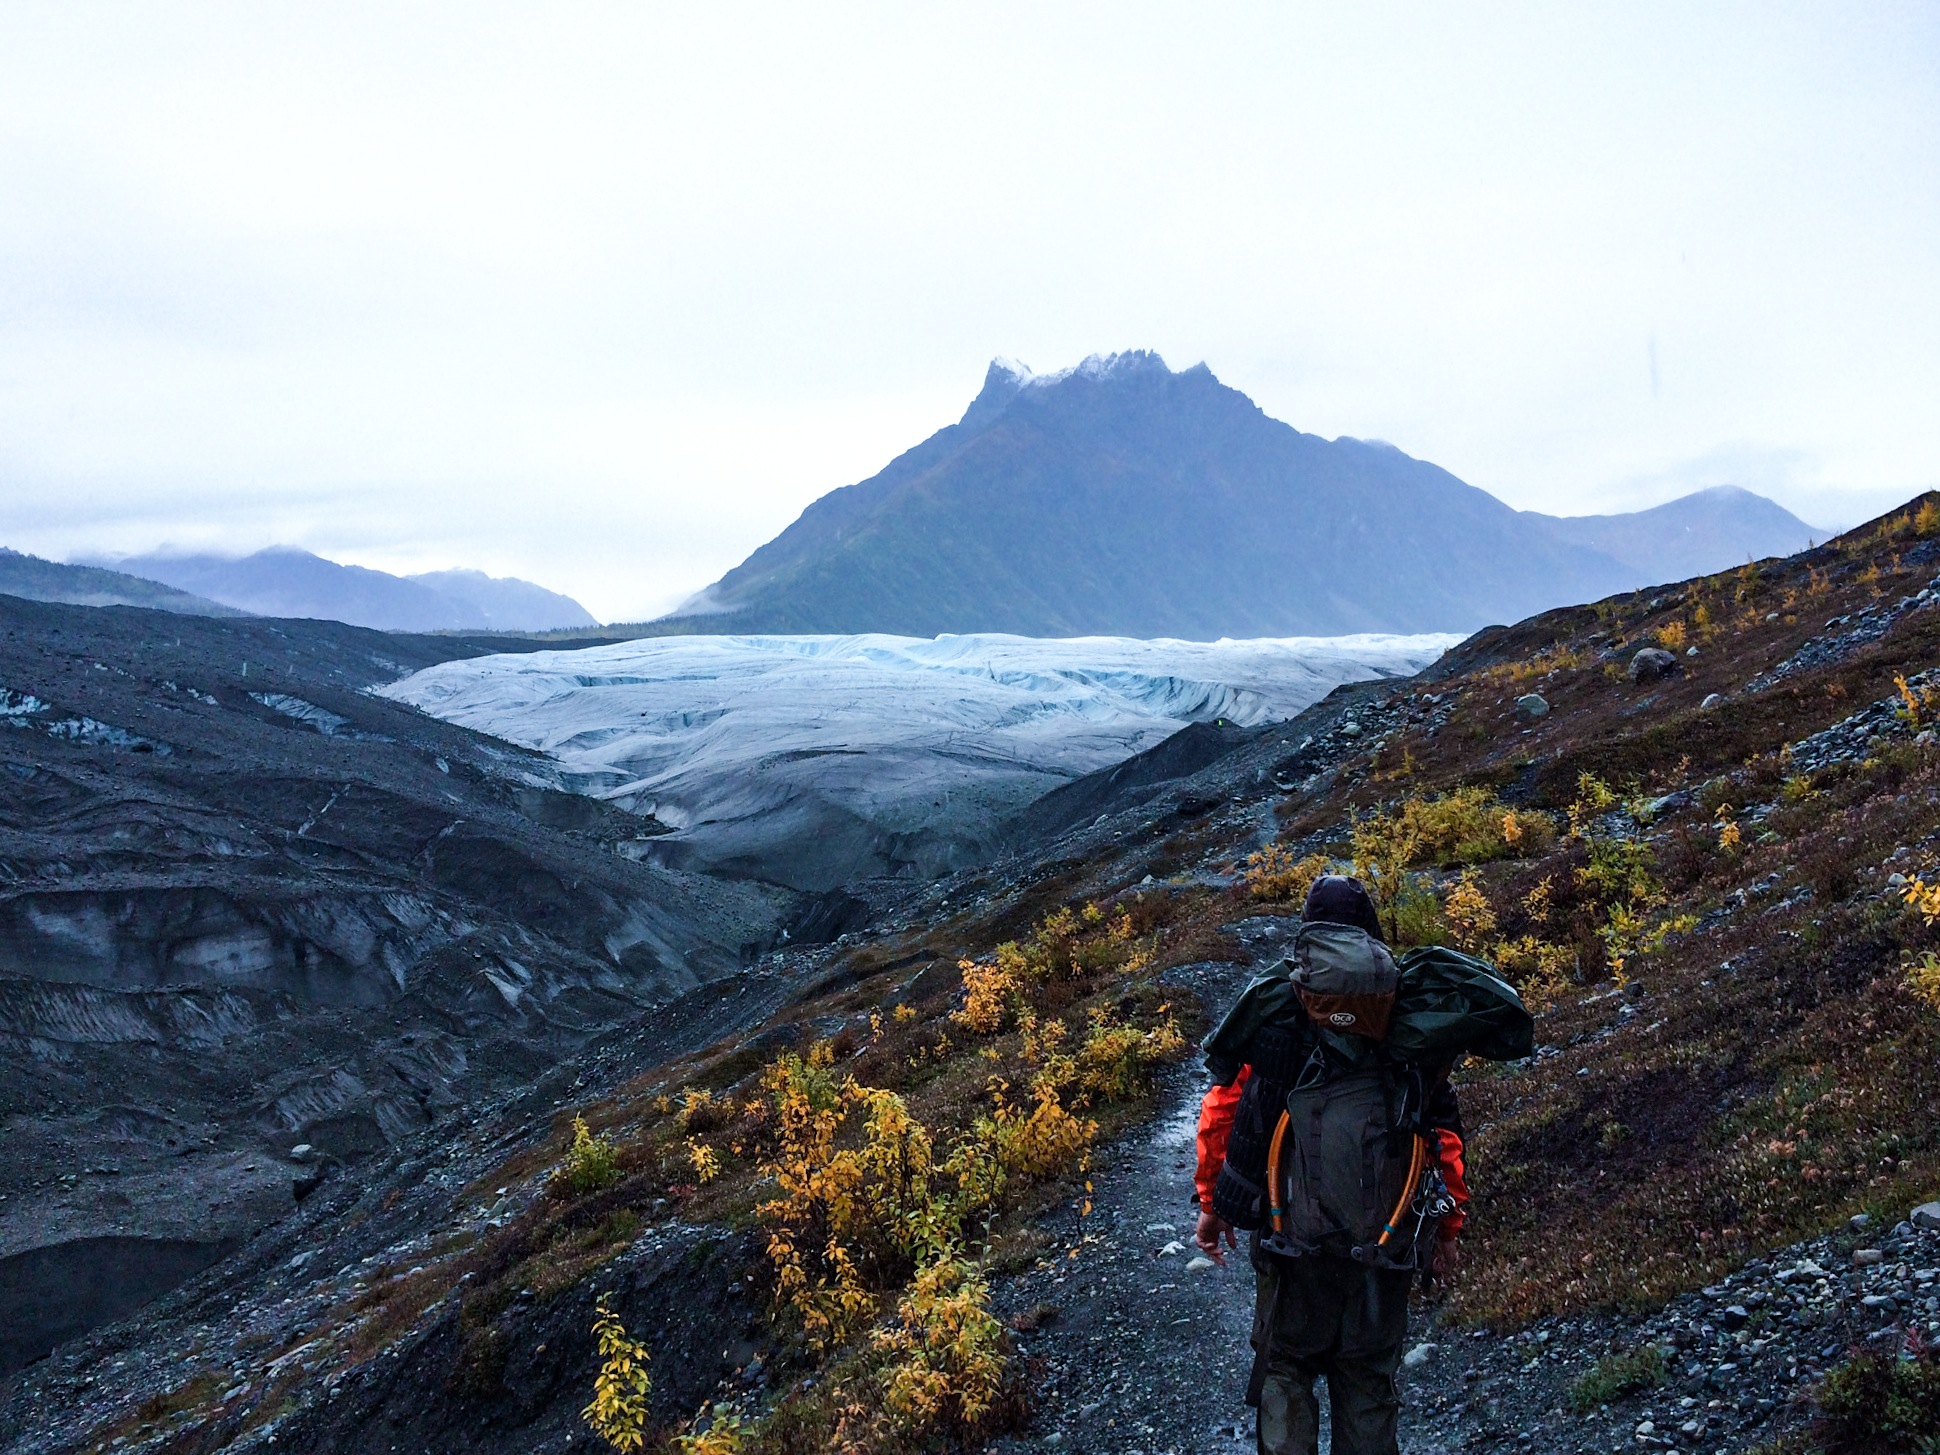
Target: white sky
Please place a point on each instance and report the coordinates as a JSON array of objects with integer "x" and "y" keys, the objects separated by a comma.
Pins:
[{"x": 603, "y": 295}]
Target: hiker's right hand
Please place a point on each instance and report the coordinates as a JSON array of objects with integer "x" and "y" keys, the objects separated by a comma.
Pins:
[{"x": 1212, "y": 1227}]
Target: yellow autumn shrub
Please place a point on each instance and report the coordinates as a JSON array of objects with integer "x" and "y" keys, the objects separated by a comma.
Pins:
[
  {"x": 619, "y": 1412},
  {"x": 718, "y": 1430},
  {"x": 860, "y": 1196},
  {"x": 947, "y": 1348},
  {"x": 705, "y": 1161},
  {"x": 1041, "y": 1142},
  {"x": 1923, "y": 979},
  {"x": 988, "y": 992},
  {"x": 1923, "y": 899},
  {"x": 1273, "y": 874},
  {"x": 1469, "y": 915},
  {"x": 1115, "y": 1062},
  {"x": 701, "y": 1110}
]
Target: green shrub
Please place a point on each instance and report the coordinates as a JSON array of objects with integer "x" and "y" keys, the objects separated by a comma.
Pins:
[
  {"x": 1415, "y": 916},
  {"x": 1468, "y": 826},
  {"x": 1881, "y": 1405},
  {"x": 590, "y": 1162},
  {"x": 1615, "y": 1375}
]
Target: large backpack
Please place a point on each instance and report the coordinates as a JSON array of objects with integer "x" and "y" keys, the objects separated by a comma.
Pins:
[{"x": 1345, "y": 1045}]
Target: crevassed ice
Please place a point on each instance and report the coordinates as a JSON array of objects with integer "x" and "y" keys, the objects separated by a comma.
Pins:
[{"x": 899, "y": 731}]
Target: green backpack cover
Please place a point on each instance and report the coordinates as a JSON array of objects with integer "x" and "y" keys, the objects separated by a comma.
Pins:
[
  {"x": 1450, "y": 1004},
  {"x": 1447, "y": 1005}
]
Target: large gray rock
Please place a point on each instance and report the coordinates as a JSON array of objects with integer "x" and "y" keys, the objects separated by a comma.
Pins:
[
  {"x": 1927, "y": 1215},
  {"x": 1652, "y": 663},
  {"x": 1531, "y": 706}
]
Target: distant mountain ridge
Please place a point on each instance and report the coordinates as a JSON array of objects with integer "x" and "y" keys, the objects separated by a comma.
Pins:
[
  {"x": 1690, "y": 536},
  {"x": 1123, "y": 498},
  {"x": 34, "y": 579},
  {"x": 287, "y": 582}
]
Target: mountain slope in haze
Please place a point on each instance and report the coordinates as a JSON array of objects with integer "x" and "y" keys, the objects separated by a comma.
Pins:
[
  {"x": 285, "y": 582},
  {"x": 33, "y": 579},
  {"x": 1122, "y": 498},
  {"x": 1693, "y": 535},
  {"x": 508, "y": 603}
]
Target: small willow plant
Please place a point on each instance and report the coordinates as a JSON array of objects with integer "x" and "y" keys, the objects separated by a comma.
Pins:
[
  {"x": 1923, "y": 899},
  {"x": 1470, "y": 916},
  {"x": 590, "y": 1163},
  {"x": 719, "y": 1429},
  {"x": 705, "y": 1161},
  {"x": 948, "y": 1348},
  {"x": 618, "y": 1413},
  {"x": 1923, "y": 979}
]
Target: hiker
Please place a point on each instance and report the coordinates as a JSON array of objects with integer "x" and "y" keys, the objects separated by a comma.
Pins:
[{"x": 1335, "y": 1253}]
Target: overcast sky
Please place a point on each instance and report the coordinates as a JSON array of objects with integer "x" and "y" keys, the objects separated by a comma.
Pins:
[{"x": 602, "y": 296}]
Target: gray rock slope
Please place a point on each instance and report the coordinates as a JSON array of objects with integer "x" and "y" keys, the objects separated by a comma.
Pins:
[
  {"x": 245, "y": 906},
  {"x": 285, "y": 582},
  {"x": 1123, "y": 498}
]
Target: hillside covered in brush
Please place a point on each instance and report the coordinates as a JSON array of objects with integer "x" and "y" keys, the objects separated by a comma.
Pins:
[{"x": 1698, "y": 825}]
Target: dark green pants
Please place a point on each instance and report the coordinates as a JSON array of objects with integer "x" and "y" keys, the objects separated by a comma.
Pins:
[{"x": 1328, "y": 1316}]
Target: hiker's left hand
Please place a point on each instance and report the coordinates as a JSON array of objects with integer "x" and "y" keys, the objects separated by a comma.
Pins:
[
  {"x": 1207, "y": 1235},
  {"x": 1447, "y": 1258}
]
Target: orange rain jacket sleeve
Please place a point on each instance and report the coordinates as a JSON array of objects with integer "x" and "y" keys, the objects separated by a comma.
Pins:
[{"x": 1216, "y": 1125}]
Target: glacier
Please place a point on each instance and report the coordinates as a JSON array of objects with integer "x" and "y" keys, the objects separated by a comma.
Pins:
[{"x": 814, "y": 760}]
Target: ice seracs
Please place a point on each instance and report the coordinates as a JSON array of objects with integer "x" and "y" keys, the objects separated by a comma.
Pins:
[{"x": 811, "y": 760}]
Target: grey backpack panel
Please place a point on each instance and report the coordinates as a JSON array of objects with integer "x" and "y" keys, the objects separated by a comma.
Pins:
[
  {"x": 1343, "y": 1169},
  {"x": 1345, "y": 979},
  {"x": 1334, "y": 959}
]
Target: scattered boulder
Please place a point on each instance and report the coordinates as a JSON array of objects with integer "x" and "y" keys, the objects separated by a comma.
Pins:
[
  {"x": 1712, "y": 700},
  {"x": 1867, "y": 1257},
  {"x": 1531, "y": 706},
  {"x": 303, "y": 1152},
  {"x": 1926, "y": 1215},
  {"x": 1650, "y": 664}
]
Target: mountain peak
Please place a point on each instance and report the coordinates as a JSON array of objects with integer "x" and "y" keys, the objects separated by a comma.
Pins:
[
  {"x": 1007, "y": 378},
  {"x": 1121, "y": 497}
]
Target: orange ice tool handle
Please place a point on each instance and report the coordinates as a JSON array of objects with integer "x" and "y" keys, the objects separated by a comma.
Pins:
[
  {"x": 1415, "y": 1164},
  {"x": 1276, "y": 1204}
]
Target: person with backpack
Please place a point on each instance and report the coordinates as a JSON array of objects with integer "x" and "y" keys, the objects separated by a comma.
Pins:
[{"x": 1332, "y": 1135}]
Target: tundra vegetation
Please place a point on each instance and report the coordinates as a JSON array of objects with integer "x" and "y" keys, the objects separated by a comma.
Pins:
[{"x": 888, "y": 1170}]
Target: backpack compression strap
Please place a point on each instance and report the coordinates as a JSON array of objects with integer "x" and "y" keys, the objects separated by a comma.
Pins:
[
  {"x": 1416, "y": 1163},
  {"x": 1275, "y": 1203}
]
